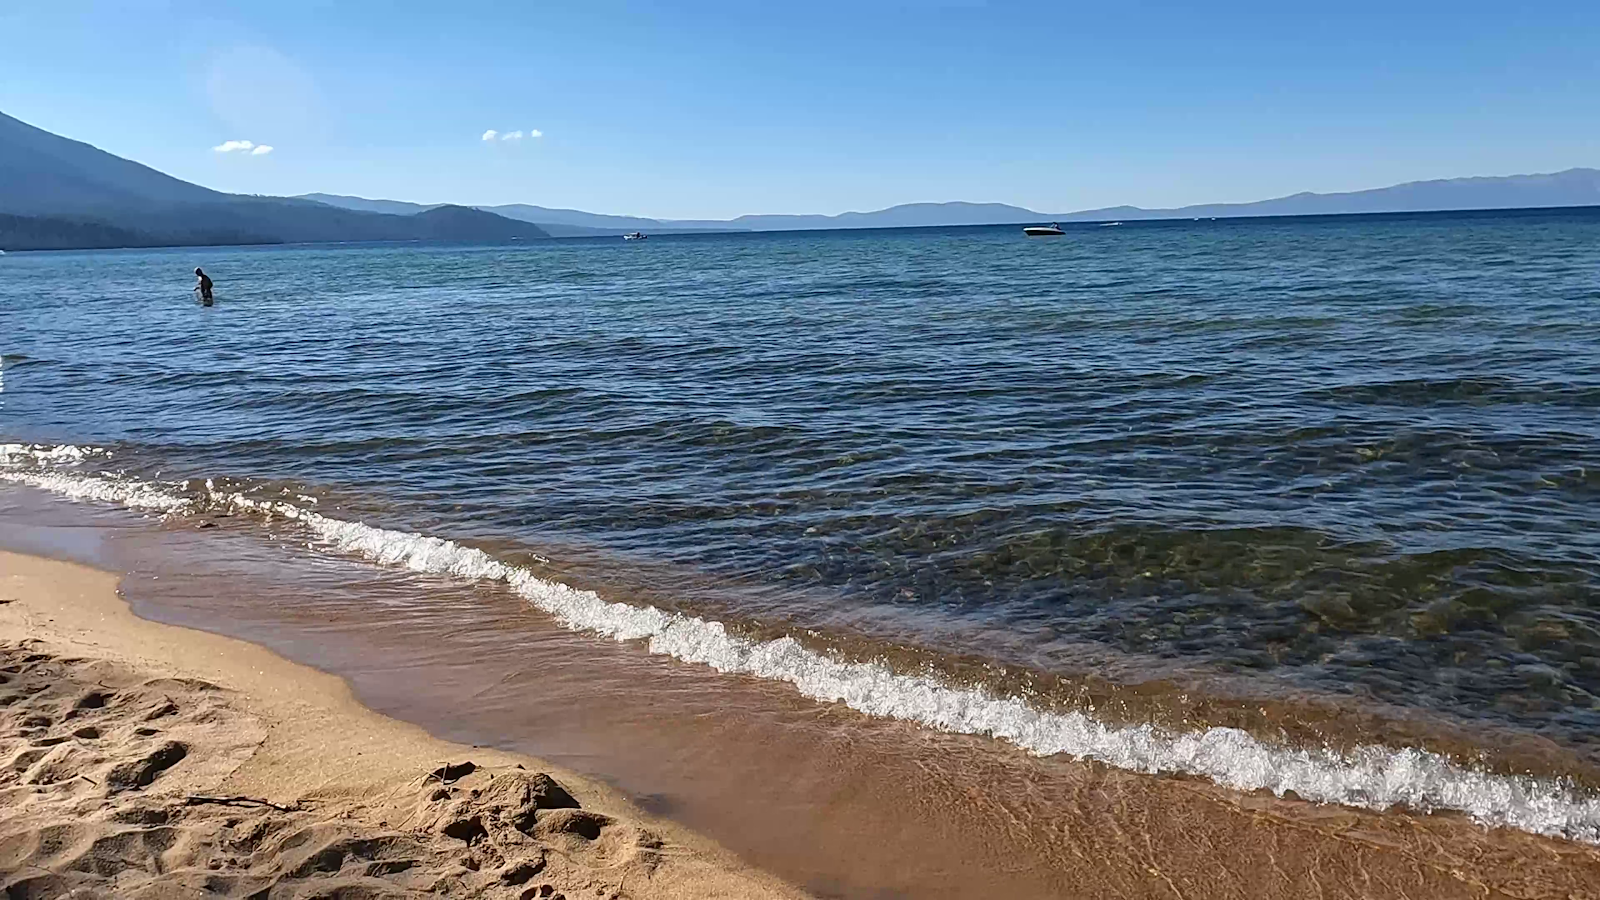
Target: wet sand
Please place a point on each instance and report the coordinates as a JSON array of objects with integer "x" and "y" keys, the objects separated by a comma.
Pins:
[
  {"x": 843, "y": 805},
  {"x": 145, "y": 760}
]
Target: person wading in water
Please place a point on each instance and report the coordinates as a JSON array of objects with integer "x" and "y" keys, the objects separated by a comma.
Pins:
[{"x": 202, "y": 286}]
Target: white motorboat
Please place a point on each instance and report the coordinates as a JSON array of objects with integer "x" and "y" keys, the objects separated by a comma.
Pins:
[
  {"x": 636, "y": 236},
  {"x": 1051, "y": 230}
]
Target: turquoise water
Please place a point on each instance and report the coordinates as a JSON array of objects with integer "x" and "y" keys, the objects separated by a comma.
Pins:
[{"x": 1356, "y": 456}]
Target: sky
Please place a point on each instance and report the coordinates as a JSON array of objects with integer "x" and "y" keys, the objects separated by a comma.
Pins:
[{"x": 714, "y": 109}]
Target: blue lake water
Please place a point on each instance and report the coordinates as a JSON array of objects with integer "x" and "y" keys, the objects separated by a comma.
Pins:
[{"x": 1357, "y": 456}]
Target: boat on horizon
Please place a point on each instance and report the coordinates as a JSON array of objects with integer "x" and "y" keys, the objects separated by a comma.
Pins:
[
  {"x": 1051, "y": 230},
  {"x": 636, "y": 236}
]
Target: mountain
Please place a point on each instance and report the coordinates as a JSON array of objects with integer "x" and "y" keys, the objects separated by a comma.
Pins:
[
  {"x": 541, "y": 215},
  {"x": 362, "y": 204},
  {"x": 559, "y": 222},
  {"x": 463, "y": 223},
  {"x": 1573, "y": 187},
  {"x": 45, "y": 174},
  {"x": 49, "y": 233},
  {"x": 57, "y": 193},
  {"x": 909, "y": 215}
]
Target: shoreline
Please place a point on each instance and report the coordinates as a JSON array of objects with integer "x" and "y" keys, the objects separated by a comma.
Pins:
[
  {"x": 841, "y": 804},
  {"x": 1236, "y": 742},
  {"x": 301, "y": 741}
]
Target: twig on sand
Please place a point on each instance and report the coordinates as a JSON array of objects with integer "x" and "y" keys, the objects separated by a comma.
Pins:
[
  {"x": 197, "y": 800},
  {"x": 450, "y": 773}
]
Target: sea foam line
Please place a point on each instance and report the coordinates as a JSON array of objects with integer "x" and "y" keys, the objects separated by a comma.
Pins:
[{"x": 1370, "y": 777}]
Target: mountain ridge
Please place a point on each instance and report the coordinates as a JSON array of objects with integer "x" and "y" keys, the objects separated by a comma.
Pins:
[
  {"x": 46, "y": 174},
  {"x": 1567, "y": 188},
  {"x": 57, "y": 193},
  {"x": 1577, "y": 186},
  {"x": 560, "y": 222}
]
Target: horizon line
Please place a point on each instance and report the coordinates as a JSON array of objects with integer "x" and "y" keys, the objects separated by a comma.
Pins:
[{"x": 666, "y": 220}]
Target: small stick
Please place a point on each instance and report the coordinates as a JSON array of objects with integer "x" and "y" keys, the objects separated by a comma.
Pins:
[{"x": 196, "y": 800}]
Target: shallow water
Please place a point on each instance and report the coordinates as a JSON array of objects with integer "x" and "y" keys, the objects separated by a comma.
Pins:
[
  {"x": 848, "y": 806},
  {"x": 1344, "y": 457}
]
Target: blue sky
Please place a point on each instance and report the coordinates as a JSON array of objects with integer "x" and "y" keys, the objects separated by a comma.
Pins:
[{"x": 712, "y": 109}]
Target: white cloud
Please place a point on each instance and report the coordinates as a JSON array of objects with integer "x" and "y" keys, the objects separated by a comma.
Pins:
[
  {"x": 230, "y": 146},
  {"x": 513, "y": 136},
  {"x": 261, "y": 150}
]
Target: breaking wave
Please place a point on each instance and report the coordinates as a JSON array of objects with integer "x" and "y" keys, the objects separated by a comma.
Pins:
[{"x": 1372, "y": 777}]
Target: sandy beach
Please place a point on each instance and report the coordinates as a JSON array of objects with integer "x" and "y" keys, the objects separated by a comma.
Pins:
[
  {"x": 140, "y": 759},
  {"x": 146, "y": 760}
]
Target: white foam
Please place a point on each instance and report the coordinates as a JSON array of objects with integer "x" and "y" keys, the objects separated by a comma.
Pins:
[
  {"x": 1370, "y": 777},
  {"x": 12, "y": 454},
  {"x": 108, "y": 489}
]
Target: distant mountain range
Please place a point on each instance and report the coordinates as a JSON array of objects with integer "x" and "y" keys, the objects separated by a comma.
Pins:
[
  {"x": 1573, "y": 187},
  {"x": 57, "y": 193},
  {"x": 559, "y": 222}
]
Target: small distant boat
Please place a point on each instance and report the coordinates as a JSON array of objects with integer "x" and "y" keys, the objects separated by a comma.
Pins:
[
  {"x": 1051, "y": 230},
  {"x": 636, "y": 236}
]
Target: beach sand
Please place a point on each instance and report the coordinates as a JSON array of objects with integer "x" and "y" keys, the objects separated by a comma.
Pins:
[
  {"x": 286, "y": 786},
  {"x": 144, "y": 760}
]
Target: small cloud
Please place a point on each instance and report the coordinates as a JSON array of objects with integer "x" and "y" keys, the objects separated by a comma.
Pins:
[
  {"x": 512, "y": 136},
  {"x": 261, "y": 150},
  {"x": 230, "y": 146}
]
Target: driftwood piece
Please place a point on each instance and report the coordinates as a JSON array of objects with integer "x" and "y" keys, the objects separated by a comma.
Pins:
[{"x": 197, "y": 800}]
